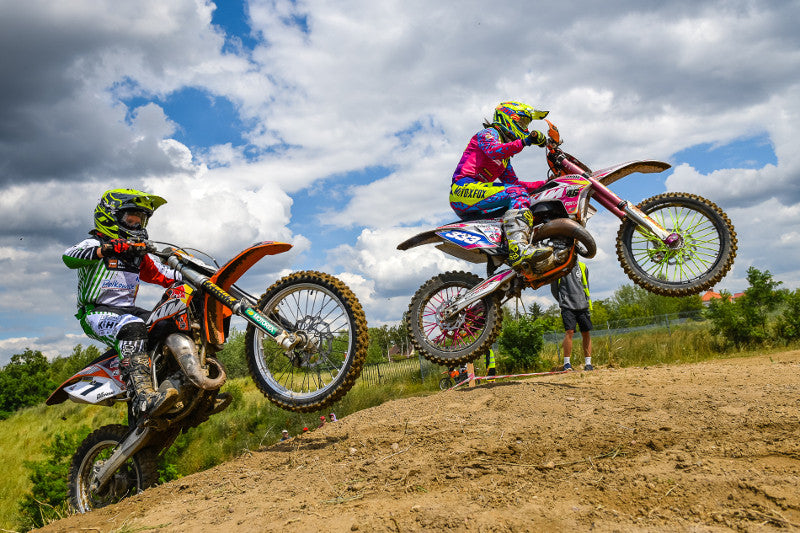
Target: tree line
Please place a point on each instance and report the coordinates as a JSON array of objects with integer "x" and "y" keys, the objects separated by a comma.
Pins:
[{"x": 765, "y": 313}]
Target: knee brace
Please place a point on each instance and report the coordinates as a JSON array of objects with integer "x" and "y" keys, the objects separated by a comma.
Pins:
[{"x": 132, "y": 340}]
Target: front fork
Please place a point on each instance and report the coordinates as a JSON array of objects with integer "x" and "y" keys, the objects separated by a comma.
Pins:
[
  {"x": 239, "y": 306},
  {"x": 622, "y": 208}
]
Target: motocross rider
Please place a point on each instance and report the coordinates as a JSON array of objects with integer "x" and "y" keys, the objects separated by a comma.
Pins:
[
  {"x": 473, "y": 192},
  {"x": 109, "y": 267}
]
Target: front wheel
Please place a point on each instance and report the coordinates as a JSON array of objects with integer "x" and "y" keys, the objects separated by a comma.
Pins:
[
  {"x": 462, "y": 338},
  {"x": 445, "y": 383},
  {"x": 323, "y": 310},
  {"x": 136, "y": 474},
  {"x": 697, "y": 261}
]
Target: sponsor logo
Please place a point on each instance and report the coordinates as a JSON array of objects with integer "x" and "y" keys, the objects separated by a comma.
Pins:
[
  {"x": 117, "y": 285},
  {"x": 466, "y": 192},
  {"x": 461, "y": 237},
  {"x": 261, "y": 321}
]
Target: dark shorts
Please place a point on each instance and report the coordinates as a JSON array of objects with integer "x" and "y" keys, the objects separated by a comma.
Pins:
[{"x": 571, "y": 317}]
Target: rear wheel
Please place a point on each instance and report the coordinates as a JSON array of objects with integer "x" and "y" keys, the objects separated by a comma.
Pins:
[
  {"x": 313, "y": 376},
  {"x": 462, "y": 338},
  {"x": 697, "y": 261},
  {"x": 136, "y": 474}
]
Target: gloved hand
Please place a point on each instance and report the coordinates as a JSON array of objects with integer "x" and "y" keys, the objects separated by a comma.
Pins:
[
  {"x": 123, "y": 248},
  {"x": 535, "y": 137}
]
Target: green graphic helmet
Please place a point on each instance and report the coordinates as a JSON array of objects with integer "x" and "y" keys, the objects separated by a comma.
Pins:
[
  {"x": 513, "y": 118},
  {"x": 109, "y": 215}
]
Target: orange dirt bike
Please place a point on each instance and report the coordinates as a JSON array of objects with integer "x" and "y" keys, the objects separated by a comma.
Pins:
[
  {"x": 673, "y": 244},
  {"x": 306, "y": 342}
]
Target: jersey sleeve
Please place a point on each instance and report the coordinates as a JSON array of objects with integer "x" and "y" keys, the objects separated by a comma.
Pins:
[
  {"x": 82, "y": 254},
  {"x": 489, "y": 143},
  {"x": 152, "y": 272}
]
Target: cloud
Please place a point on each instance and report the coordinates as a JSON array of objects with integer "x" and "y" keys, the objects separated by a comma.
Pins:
[{"x": 328, "y": 92}]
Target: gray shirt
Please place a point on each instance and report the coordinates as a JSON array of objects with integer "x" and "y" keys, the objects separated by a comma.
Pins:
[{"x": 568, "y": 291}]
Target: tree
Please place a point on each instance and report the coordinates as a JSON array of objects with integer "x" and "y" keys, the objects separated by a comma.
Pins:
[
  {"x": 378, "y": 344},
  {"x": 788, "y": 324},
  {"x": 62, "y": 368},
  {"x": 631, "y": 302},
  {"x": 744, "y": 321},
  {"x": 232, "y": 355},
  {"x": 24, "y": 381}
]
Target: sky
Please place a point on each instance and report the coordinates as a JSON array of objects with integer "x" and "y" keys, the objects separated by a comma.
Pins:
[{"x": 336, "y": 127}]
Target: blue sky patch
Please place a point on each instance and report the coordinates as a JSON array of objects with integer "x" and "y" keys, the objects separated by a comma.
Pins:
[
  {"x": 232, "y": 17},
  {"x": 331, "y": 194},
  {"x": 203, "y": 119},
  {"x": 752, "y": 152}
]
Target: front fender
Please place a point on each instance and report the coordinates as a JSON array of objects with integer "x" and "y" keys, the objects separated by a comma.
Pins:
[
  {"x": 227, "y": 276},
  {"x": 607, "y": 176}
]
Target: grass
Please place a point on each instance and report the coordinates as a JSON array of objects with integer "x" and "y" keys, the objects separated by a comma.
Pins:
[
  {"x": 22, "y": 436},
  {"x": 690, "y": 343}
]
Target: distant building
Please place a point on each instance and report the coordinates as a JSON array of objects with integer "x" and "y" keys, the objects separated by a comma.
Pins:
[
  {"x": 711, "y": 295},
  {"x": 396, "y": 352}
]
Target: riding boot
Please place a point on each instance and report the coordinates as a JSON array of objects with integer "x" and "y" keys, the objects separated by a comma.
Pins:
[
  {"x": 518, "y": 224},
  {"x": 135, "y": 370}
]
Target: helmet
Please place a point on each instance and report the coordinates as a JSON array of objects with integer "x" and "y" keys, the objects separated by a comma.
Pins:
[
  {"x": 512, "y": 119},
  {"x": 109, "y": 215}
]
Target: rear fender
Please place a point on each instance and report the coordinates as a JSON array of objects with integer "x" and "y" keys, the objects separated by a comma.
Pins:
[
  {"x": 99, "y": 383},
  {"x": 464, "y": 240},
  {"x": 226, "y": 277}
]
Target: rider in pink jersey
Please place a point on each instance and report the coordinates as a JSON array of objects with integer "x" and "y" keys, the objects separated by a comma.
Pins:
[{"x": 474, "y": 193}]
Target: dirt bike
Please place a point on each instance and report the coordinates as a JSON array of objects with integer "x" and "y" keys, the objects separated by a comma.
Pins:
[
  {"x": 306, "y": 341},
  {"x": 673, "y": 244},
  {"x": 453, "y": 377}
]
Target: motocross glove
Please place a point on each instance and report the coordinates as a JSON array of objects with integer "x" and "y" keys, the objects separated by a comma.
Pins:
[
  {"x": 535, "y": 137},
  {"x": 122, "y": 248}
]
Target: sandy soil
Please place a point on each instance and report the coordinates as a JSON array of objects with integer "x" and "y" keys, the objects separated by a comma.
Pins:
[{"x": 713, "y": 446}]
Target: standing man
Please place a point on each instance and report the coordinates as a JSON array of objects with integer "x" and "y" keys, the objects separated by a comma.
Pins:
[
  {"x": 572, "y": 294},
  {"x": 491, "y": 366}
]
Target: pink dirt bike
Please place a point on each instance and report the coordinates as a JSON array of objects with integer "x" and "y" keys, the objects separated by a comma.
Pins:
[{"x": 673, "y": 244}]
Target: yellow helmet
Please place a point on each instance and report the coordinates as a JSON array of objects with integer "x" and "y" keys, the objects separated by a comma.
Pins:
[
  {"x": 513, "y": 118},
  {"x": 108, "y": 215}
]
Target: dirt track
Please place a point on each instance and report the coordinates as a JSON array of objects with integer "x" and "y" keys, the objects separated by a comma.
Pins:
[{"x": 705, "y": 447}]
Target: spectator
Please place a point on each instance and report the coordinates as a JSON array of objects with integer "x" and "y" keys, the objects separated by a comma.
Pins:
[
  {"x": 285, "y": 434},
  {"x": 321, "y": 421},
  {"x": 332, "y": 418},
  {"x": 491, "y": 367},
  {"x": 572, "y": 294}
]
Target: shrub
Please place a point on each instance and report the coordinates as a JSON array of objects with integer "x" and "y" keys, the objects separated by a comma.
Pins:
[
  {"x": 788, "y": 324},
  {"x": 744, "y": 321},
  {"x": 48, "y": 499},
  {"x": 521, "y": 342}
]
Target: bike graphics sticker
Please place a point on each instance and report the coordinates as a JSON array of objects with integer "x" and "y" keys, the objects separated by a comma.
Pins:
[
  {"x": 261, "y": 321},
  {"x": 465, "y": 239},
  {"x": 492, "y": 232}
]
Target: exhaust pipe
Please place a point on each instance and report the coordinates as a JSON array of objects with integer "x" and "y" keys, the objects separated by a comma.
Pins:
[
  {"x": 185, "y": 352},
  {"x": 565, "y": 227}
]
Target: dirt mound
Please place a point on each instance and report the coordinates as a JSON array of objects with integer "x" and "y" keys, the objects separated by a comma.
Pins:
[{"x": 712, "y": 446}]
